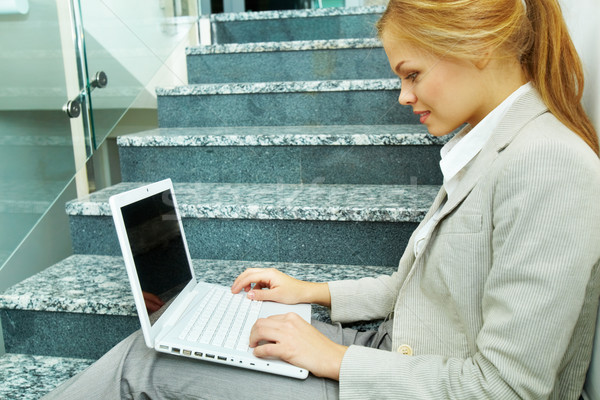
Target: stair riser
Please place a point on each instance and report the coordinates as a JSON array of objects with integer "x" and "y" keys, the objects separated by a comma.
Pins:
[
  {"x": 276, "y": 109},
  {"x": 64, "y": 334},
  {"x": 287, "y": 29},
  {"x": 326, "y": 242},
  {"x": 45, "y": 162},
  {"x": 381, "y": 165},
  {"x": 369, "y": 63}
]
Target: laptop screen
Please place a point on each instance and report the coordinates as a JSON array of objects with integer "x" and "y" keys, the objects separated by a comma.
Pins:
[{"x": 157, "y": 247}]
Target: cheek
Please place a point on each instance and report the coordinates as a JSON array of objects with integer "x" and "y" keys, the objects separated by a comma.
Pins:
[{"x": 434, "y": 92}]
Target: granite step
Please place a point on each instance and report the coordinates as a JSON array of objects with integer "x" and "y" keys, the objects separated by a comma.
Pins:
[
  {"x": 82, "y": 306},
  {"x": 286, "y": 25},
  {"x": 288, "y": 61},
  {"x": 336, "y": 102},
  {"x": 376, "y": 154},
  {"x": 327, "y": 224},
  {"x": 29, "y": 377}
]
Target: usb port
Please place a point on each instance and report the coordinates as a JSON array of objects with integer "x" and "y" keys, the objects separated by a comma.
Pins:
[
  {"x": 198, "y": 354},
  {"x": 175, "y": 350},
  {"x": 210, "y": 355},
  {"x": 187, "y": 353},
  {"x": 222, "y": 358}
]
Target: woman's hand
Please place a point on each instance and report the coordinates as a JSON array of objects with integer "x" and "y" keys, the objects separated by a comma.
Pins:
[
  {"x": 292, "y": 339},
  {"x": 282, "y": 288},
  {"x": 153, "y": 302}
]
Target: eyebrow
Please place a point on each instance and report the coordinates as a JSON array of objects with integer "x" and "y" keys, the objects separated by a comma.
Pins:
[{"x": 399, "y": 69}]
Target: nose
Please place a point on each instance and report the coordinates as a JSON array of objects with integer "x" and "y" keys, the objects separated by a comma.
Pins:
[{"x": 407, "y": 95}]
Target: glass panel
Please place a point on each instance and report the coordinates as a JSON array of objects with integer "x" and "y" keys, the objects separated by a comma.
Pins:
[
  {"x": 131, "y": 41},
  {"x": 36, "y": 154}
]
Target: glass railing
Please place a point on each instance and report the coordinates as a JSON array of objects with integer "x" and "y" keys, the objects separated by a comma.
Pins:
[
  {"x": 36, "y": 152},
  {"x": 41, "y": 150},
  {"x": 131, "y": 42}
]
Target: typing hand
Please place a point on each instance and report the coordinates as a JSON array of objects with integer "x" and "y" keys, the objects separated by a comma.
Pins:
[
  {"x": 282, "y": 288},
  {"x": 292, "y": 339}
]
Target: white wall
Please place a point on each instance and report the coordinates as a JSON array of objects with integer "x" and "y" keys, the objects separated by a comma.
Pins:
[{"x": 583, "y": 20}]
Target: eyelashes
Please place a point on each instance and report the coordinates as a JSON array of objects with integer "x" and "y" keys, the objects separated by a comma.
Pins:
[{"x": 411, "y": 77}]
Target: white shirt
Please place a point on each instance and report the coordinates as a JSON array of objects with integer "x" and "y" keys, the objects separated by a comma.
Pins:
[{"x": 460, "y": 151}]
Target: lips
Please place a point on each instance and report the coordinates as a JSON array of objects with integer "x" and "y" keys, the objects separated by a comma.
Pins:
[{"x": 423, "y": 115}]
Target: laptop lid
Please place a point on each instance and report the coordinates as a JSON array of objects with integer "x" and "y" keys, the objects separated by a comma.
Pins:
[{"x": 151, "y": 237}]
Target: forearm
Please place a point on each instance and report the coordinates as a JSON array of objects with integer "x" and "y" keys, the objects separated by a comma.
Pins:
[
  {"x": 363, "y": 299},
  {"x": 317, "y": 293}
]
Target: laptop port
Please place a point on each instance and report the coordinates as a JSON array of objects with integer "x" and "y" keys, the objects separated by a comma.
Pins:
[
  {"x": 175, "y": 350},
  {"x": 222, "y": 358},
  {"x": 210, "y": 355},
  {"x": 198, "y": 354},
  {"x": 187, "y": 353}
]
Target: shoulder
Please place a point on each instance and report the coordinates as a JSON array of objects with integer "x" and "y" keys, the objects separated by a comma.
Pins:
[{"x": 546, "y": 146}]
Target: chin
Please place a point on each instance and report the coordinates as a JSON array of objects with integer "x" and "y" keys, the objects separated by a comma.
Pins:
[{"x": 439, "y": 132}]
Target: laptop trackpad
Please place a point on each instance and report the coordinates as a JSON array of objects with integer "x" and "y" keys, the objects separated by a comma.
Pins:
[{"x": 269, "y": 308}]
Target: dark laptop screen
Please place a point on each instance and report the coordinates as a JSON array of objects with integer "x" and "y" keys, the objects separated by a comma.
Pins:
[{"x": 157, "y": 247}]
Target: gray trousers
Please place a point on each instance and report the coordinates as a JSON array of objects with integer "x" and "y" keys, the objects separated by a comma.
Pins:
[{"x": 133, "y": 371}]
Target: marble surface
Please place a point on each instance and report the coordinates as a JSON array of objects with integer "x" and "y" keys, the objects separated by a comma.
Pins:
[
  {"x": 98, "y": 284},
  {"x": 306, "y": 13},
  {"x": 312, "y": 202},
  {"x": 296, "y": 45},
  {"x": 353, "y": 102},
  {"x": 78, "y": 284},
  {"x": 348, "y": 135},
  {"x": 282, "y": 87},
  {"x": 28, "y": 377}
]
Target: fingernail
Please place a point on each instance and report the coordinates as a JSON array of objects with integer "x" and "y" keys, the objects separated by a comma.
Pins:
[{"x": 251, "y": 295}]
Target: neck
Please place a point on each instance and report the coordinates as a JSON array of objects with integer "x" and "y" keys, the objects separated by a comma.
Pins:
[{"x": 502, "y": 78}]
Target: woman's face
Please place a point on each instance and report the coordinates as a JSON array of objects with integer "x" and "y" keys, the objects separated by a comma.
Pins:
[{"x": 444, "y": 92}]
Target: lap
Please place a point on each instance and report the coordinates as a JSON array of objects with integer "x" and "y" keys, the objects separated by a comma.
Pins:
[{"x": 131, "y": 371}]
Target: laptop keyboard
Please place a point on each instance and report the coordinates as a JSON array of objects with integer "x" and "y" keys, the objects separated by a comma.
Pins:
[{"x": 222, "y": 319}]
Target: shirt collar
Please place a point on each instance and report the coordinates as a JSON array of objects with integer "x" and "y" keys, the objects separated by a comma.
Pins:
[{"x": 462, "y": 148}]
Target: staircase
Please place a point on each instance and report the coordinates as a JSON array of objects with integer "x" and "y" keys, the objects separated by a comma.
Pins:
[{"x": 288, "y": 148}]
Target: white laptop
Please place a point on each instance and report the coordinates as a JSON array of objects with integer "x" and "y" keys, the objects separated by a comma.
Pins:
[{"x": 179, "y": 315}]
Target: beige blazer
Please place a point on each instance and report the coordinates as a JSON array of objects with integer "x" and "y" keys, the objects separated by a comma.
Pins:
[{"x": 501, "y": 303}]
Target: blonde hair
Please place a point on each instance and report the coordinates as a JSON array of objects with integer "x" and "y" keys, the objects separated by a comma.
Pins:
[{"x": 532, "y": 31}]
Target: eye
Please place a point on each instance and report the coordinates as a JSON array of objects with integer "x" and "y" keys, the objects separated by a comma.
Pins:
[{"x": 411, "y": 77}]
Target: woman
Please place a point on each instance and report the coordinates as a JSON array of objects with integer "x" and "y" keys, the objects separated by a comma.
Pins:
[{"x": 496, "y": 294}]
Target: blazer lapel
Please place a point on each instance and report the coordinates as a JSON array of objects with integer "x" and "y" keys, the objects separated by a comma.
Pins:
[
  {"x": 408, "y": 258},
  {"x": 527, "y": 107}
]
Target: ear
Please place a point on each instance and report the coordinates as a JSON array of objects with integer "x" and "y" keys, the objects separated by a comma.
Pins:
[{"x": 484, "y": 60}]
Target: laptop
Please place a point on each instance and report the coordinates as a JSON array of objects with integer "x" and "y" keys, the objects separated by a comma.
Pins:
[{"x": 179, "y": 315}]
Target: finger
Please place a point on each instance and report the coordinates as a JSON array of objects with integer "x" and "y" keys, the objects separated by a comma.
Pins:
[
  {"x": 237, "y": 285},
  {"x": 265, "y": 330},
  {"x": 268, "y": 350},
  {"x": 264, "y": 295},
  {"x": 246, "y": 278}
]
